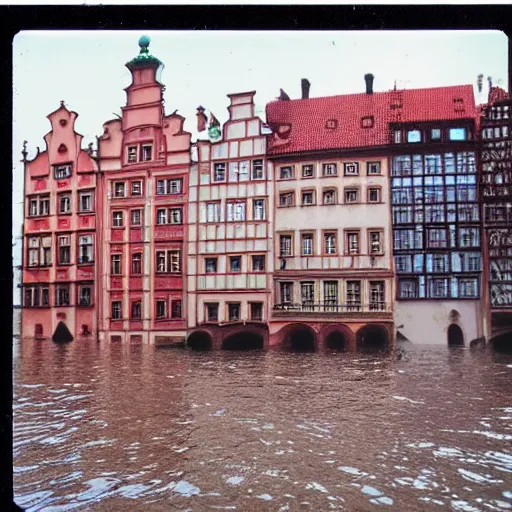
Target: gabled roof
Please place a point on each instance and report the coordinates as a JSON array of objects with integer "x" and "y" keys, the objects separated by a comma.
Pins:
[{"x": 307, "y": 118}]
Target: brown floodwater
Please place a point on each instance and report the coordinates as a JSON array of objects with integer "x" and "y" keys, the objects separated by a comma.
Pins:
[{"x": 121, "y": 427}]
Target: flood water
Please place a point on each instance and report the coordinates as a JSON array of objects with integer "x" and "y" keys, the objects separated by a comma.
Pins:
[{"x": 143, "y": 428}]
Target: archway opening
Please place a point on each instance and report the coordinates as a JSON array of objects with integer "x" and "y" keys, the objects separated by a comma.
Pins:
[
  {"x": 503, "y": 342},
  {"x": 199, "y": 340},
  {"x": 372, "y": 338},
  {"x": 455, "y": 336},
  {"x": 336, "y": 340},
  {"x": 301, "y": 339},
  {"x": 62, "y": 334},
  {"x": 243, "y": 340}
]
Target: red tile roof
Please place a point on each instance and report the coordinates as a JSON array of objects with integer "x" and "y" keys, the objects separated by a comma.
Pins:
[
  {"x": 496, "y": 94},
  {"x": 307, "y": 118}
]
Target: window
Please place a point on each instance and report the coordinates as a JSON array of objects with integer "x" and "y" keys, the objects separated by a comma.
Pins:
[
  {"x": 234, "y": 312},
  {"x": 115, "y": 264},
  {"x": 85, "y": 201},
  {"x": 351, "y": 169},
  {"x": 403, "y": 263},
  {"x": 256, "y": 311},
  {"x": 354, "y": 294},
  {"x": 146, "y": 153},
  {"x": 351, "y": 195},
  {"x": 119, "y": 189},
  {"x": 239, "y": 171},
  {"x": 62, "y": 171},
  {"x": 64, "y": 250},
  {"x": 307, "y": 293},
  {"x": 331, "y": 124},
  {"x": 413, "y": 136},
  {"x": 168, "y": 261},
  {"x": 308, "y": 198},
  {"x": 437, "y": 238},
  {"x": 210, "y": 265},
  {"x": 161, "y": 309},
  {"x": 258, "y": 262},
  {"x": 176, "y": 309},
  {"x": 330, "y": 293},
  {"x": 469, "y": 237},
  {"x": 235, "y": 263},
  {"x": 258, "y": 209},
  {"x": 377, "y": 296},
  {"x": 212, "y": 212},
  {"x": 438, "y": 288},
  {"x": 397, "y": 136},
  {"x": 408, "y": 239},
  {"x": 62, "y": 295},
  {"x": 374, "y": 195},
  {"x": 367, "y": 122},
  {"x": 286, "y": 199},
  {"x": 330, "y": 243},
  {"x": 137, "y": 263},
  {"x": 39, "y": 251},
  {"x": 219, "y": 171},
  {"x": 375, "y": 242},
  {"x": 286, "y": 294},
  {"x": 167, "y": 187},
  {"x": 36, "y": 296},
  {"x": 136, "y": 310},
  {"x": 136, "y": 188},
  {"x": 329, "y": 196},
  {"x": 468, "y": 288},
  {"x": 286, "y": 173},
  {"x": 117, "y": 219},
  {"x": 307, "y": 171},
  {"x": 435, "y": 134},
  {"x": 457, "y": 134},
  {"x": 135, "y": 217},
  {"x": 285, "y": 245},
  {"x": 306, "y": 244},
  {"x": 116, "y": 313},
  {"x": 84, "y": 295},
  {"x": 352, "y": 243},
  {"x": 39, "y": 206},
  {"x": 235, "y": 211},
  {"x": 132, "y": 154},
  {"x": 407, "y": 289},
  {"x": 257, "y": 170},
  {"x": 85, "y": 249},
  {"x": 64, "y": 203},
  {"x": 372, "y": 168},
  {"x": 212, "y": 312},
  {"x": 329, "y": 170},
  {"x": 169, "y": 216}
]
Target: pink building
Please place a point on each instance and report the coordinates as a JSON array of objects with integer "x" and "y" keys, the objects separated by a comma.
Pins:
[
  {"x": 144, "y": 160},
  {"x": 59, "y": 235}
]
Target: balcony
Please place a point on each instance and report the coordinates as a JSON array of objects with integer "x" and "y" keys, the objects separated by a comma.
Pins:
[{"x": 327, "y": 310}]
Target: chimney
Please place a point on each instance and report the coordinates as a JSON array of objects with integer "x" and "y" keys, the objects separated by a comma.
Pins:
[
  {"x": 201, "y": 119},
  {"x": 368, "y": 78},
  {"x": 305, "y": 88}
]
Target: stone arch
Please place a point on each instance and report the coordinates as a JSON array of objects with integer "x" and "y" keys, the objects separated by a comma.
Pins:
[
  {"x": 455, "y": 336},
  {"x": 373, "y": 337},
  {"x": 299, "y": 337},
  {"x": 337, "y": 337},
  {"x": 244, "y": 339},
  {"x": 200, "y": 340}
]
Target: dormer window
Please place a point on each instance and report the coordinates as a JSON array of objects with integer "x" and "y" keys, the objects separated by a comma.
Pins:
[
  {"x": 331, "y": 124},
  {"x": 457, "y": 133},
  {"x": 367, "y": 122},
  {"x": 132, "y": 154},
  {"x": 435, "y": 134},
  {"x": 413, "y": 136},
  {"x": 62, "y": 171},
  {"x": 146, "y": 153}
]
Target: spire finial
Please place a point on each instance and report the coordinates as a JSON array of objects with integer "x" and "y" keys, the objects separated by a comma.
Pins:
[
  {"x": 24, "y": 152},
  {"x": 144, "y": 43},
  {"x": 61, "y": 103}
]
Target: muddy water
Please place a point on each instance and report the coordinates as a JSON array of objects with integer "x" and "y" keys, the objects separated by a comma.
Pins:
[{"x": 141, "y": 428}]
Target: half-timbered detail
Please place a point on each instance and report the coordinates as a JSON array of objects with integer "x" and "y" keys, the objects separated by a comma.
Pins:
[
  {"x": 60, "y": 245},
  {"x": 144, "y": 158},
  {"x": 496, "y": 203},
  {"x": 230, "y": 233}
]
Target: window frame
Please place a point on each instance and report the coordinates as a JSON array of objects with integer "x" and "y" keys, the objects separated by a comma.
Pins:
[
  {"x": 330, "y": 233},
  {"x": 376, "y": 189},
  {"x": 377, "y": 164},
  {"x": 348, "y": 165}
]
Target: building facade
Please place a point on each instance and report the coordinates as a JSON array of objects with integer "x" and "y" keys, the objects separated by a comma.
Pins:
[
  {"x": 144, "y": 162},
  {"x": 59, "y": 236},
  {"x": 230, "y": 234}
]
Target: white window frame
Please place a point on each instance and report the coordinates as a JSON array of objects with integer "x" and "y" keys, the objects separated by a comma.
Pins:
[
  {"x": 117, "y": 219},
  {"x": 86, "y": 248},
  {"x": 84, "y": 195}
]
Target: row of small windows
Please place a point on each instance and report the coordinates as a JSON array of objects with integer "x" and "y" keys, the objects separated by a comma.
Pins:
[
  {"x": 235, "y": 211},
  {"x": 330, "y": 196},
  {"x": 239, "y": 171},
  {"x": 234, "y": 264},
  {"x": 496, "y": 132},
  {"x": 438, "y": 263},
  {"x": 135, "y": 187},
  {"x": 166, "y": 261},
  {"x": 446, "y": 163},
  {"x": 429, "y": 135},
  {"x": 438, "y": 288},
  {"x": 39, "y": 206},
  {"x": 287, "y": 172},
  {"x": 39, "y": 296},
  {"x": 162, "y": 309},
  {"x": 497, "y": 112},
  {"x": 419, "y": 214},
  {"x": 436, "y": 238},
  {"x": 232, "y": 312},
  {"x": 139, "y": 153},
  {"x": 40, "y": 251},
  {"x": 352, "y": 245}
]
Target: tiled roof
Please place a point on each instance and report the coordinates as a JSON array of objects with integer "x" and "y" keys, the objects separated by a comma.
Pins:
[
  {"x": 496, "y": 94},
  {"x": 306, "y": 119}
]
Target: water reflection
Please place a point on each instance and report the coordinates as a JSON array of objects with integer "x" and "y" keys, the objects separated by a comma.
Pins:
[{"x": 109, "y": 427}]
